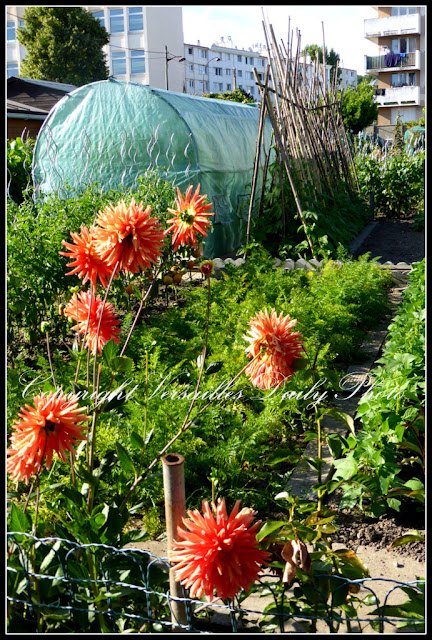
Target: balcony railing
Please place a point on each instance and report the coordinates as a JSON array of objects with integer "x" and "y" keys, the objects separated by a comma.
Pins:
[
  {"x": 392, "y": 25},
  {"x": 394, "y": 61},
  {"x": 391, "y": 96}
]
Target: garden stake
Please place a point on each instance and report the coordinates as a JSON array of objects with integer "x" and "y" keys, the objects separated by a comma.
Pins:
[
  {"x": 261, "y": 126},
  {"x": 175, "y": 511}
]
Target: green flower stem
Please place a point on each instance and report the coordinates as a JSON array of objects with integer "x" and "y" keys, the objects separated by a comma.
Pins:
[
  {"x": 95, "y": 416},
  {"x": 320, "y": 492},
  {"x": 145, "y": 409},
  {"x": 143, "y": 301}
]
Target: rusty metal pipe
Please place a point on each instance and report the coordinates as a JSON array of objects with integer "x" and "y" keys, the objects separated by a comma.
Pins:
[{"x": 175, "y": 511}]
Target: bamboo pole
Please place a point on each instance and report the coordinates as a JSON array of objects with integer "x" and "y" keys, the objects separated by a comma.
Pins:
[
  {"x": 261, "y": 127},
  {"x": 287, "y": 169},
  {"x": 175, "y": 511}
]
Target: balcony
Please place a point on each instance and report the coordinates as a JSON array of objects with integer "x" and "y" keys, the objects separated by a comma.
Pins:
[
  {"x": 375, "y": 28},
  {"x": 398, "y": 96},
  {"x": 410, "y": 61}
]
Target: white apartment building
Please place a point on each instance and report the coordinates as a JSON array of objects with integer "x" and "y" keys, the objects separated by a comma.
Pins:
[
  {"x": 221, "y": 68},
  {"x": 146, "y": 43},
  {"x": 399, "y": 33}
]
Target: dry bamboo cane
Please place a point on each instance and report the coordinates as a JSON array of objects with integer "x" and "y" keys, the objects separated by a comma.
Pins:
[
  {"x": 264, "y": 175},
  {"x": 289, "y": 111},
  {"x": 339, "y": 150},
  {"x": 287, "y": 169},
  {"x": 261, "y": 127}
]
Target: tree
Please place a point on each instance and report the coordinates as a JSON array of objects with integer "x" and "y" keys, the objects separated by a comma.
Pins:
[
  {"x": 358, "y": 107},
  {"x": 237, "y": 95},
  {"x": 332, "y": 58},
  {"x": 64, "y": 44}
]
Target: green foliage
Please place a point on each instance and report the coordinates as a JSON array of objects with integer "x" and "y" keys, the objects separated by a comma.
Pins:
[
  {"x": 63, "y": 44},
  {"x": 395, "y": 179},
  {"x": 390, "y": 443},
  {"x": 358, "y": 107},
  {"x": 398, "y": 144},
  {"x": 332, "y": 57},
  {"x": 331, "y": 224},
  {"x": 19, "y": 163},
  {"x": 236, "y": 95}
]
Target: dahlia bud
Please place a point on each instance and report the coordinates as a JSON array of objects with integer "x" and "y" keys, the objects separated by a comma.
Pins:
[{"x": 206, "y": 267}]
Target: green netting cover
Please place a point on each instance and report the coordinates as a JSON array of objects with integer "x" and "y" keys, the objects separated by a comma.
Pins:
[{"x": 112, "y": 132}]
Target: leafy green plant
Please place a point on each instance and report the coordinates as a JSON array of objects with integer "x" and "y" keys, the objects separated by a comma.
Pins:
[
  {"x": 331, "y": 223},
  {"x": 19, "y": 155},
  {"x": 386, "y": 461},
  {"x": 396, "y": 180}
]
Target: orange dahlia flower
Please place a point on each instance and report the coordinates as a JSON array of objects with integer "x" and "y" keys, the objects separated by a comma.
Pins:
[
  {"x": 191, "y": 217},
  {"x": 78, "y": 309},
  {"x": 51, "y": 425},
  {"x": 274, "y": 347},
  {"x": 128, "y": 234},
  {"x": 88, "y": 264},
  {"x": 218, "y": 552}
]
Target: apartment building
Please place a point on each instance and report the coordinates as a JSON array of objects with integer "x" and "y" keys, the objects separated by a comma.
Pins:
[
  {"x": 146, "y": 43},
  {"x": 221, "y": 68},
  {"x": 399, "y": 33}
]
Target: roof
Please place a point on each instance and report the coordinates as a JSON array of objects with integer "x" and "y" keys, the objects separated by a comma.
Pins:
[
  {"x": 34, "y": 96},
  {"x": 19, "y": 107},
  {"x": 60, "y": 86}
]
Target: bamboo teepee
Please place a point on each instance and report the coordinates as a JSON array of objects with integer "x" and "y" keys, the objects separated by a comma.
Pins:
[{"x": 309, "y": 133}]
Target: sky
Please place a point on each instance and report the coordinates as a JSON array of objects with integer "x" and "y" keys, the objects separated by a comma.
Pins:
[{"x": 343, "y": 27}]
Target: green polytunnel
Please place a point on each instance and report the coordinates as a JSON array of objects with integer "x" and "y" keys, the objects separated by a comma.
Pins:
[{"x": 112, "y": 132}]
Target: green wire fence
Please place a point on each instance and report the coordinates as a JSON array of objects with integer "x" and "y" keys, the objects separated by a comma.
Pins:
[{"x": 57, "y": 585}]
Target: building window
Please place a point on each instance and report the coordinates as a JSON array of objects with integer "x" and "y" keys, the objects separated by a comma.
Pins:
[
  {"x": 218, "y": 86},
  {"x": 403, "y": 45},
  {"x": 116, "y": 21},
  {"x": 228, "y": 56},
  {"x": 250, "y": 90},
  {"x": 202, "y": 53},
  {"x": 201, "y": 68},
  {"x": 228, "y": 72},
  {"x": 190, "y": 51},
  {"x": 239, "y": 73},
  {"x": 239, "y": 58},
  {"x": 403, "y": 11},
  {"x": 218, "y": 71},
  {"x": 118, "y": 63},
  {"x": 403, "y": 79},
  {"x": 190, "y": 67},
  {"x": 100, "y": 15},
  {"x": 12, "y": 69},
  {"x": 11, "y": 32},
  {"x": 191, "y": 84},
  {"x": 228, "y": 87},
  {"x": 137, "y": 61},
  {"x": 135, "y": 18}
]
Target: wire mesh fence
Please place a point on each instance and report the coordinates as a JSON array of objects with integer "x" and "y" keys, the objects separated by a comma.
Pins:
[{"x": 60, "y": 585}]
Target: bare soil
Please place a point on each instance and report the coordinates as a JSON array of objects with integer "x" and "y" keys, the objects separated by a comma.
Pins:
[{"x": 394, "y": 241}]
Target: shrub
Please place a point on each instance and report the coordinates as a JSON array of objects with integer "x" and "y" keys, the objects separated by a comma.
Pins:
[{"x": 19, "y": 164}]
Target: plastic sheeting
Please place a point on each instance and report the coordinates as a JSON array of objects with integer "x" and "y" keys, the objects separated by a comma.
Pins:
[{"x": 111, "y": 132}]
